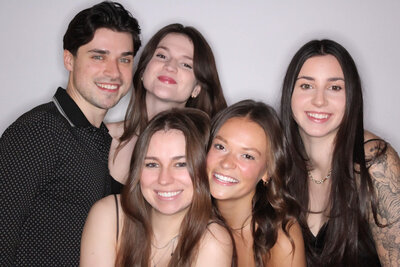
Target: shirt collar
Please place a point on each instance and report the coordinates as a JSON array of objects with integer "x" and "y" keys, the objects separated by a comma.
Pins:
[{"x": 70, "y": 110}]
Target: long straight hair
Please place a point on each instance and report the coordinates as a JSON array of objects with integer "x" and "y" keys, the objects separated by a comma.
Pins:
[
  {"x": 272, "y": 206},
  {"x": 210, "y": 99},
  {"x": 136, "y": 235},
  {"x": 349, "y": 201}
]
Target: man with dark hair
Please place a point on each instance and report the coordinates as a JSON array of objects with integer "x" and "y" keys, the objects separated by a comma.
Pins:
[{"x": 54, "y": 158}]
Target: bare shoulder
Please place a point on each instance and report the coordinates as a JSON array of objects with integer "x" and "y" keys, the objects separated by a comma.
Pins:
[
  {"x": 98, "y": 245},
  {"x": 104, "y": 205},
  {"x": 115, "y": 129},
  {"x": 216, "y": 247},
  {"x": 288, "y": 250},
  {"x": 373, "y": 145},
  {"x": 218, "y": 233}
]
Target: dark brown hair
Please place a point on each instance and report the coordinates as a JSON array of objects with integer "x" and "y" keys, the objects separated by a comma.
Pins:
[
  {"x": 273, "y": 207},
  {"x": 110, "y": 15},
  {"x": 210, "y": 99},
  {"x": 136, "y": 235},
  {"x": 348, "y": 229}
]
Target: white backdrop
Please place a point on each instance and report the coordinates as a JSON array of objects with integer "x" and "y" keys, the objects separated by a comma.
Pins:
[{"x": 253, "y": 42}]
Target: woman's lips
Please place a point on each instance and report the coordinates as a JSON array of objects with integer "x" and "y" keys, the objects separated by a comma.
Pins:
[
  {"x": 224, "y": 180},
  {"x": 319, "y": 117},
  {"x": 166, "y": 79}
]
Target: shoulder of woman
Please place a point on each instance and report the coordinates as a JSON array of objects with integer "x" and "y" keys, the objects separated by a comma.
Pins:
[
  {"x": 217, "y": 233},
  {"x": 379, "y": 153},
  {"x": 103, "y": 210},
  {"x": 283, "y": 241},
  {"x": 98, "y": 244},
  {"x": 288, "y": 250},
  {"x": 216, "y": 247},
  {"x": 115, "y": 129}
]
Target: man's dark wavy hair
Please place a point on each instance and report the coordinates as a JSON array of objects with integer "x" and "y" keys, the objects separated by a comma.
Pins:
[{"x": 110, "y": 15}]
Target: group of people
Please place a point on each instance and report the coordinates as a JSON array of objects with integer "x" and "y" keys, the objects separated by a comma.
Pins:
[{"x": 186, "y": 180}]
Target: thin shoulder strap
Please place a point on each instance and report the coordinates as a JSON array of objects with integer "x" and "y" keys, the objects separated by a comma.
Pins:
[{"x": 117, "y": 208}]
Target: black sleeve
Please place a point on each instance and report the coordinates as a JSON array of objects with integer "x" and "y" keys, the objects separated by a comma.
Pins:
[{"x": 27, "y": 158}]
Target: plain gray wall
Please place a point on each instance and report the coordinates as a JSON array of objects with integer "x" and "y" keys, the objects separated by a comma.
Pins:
[{"x": 253, "y": 42}]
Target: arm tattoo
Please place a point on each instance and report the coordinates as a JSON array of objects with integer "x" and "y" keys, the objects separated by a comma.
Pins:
[{"x": 385, "y": 175}]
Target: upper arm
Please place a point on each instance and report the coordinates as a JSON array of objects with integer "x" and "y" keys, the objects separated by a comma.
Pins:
[
  {"x": 98, "y": 244},
  {"x": 27, "y": 158},
  {"x": 215, "y": 248},
  {"x": 283, "y": 254},
  {"x": 385, "y": 174}
]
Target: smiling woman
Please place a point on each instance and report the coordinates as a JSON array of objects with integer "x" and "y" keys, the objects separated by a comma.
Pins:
[
  {"x": 247, "y": 165},
  {"x": 166, "y": 217},
  {"x": 176, "y": 69},
  {"x": 346, "y": 179}
]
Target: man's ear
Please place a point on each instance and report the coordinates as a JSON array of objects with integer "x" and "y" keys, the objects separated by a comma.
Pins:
[
  {"x": 68, "y": 60},
  {"x": 196, "y": 91}
]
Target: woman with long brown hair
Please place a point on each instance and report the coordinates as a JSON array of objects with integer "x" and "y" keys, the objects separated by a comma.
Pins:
[
  {"x": 165, "y": 218},
  {"x": 176, "y": 69},
  {"x": 248, "y": 162},
  {"x": 346, "y": 179}
]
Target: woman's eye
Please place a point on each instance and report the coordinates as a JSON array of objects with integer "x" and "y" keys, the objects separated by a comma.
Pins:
[
  {"x": 151, "y": 165},
  {"x": 219, "y": 147},
  {"x": 160, "y": 56},
  {"x": 180, "y": 164},
  {"x": 248, "y": 156},
  {"x": 336, "y": 87},
  {"x": 305, "y": 86},
  {"x": 187, "y": 66}
]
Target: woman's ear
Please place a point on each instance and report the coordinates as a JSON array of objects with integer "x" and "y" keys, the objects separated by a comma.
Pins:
[
  {"x": 196, "y": 91},
  {"x": 265, "y": 178}
]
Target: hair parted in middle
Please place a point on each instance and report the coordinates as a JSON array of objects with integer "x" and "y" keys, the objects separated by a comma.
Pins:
[
  {"x": 349, "y": 200},
  {"x": 273, "y": 207},
  {"x": 137, "y": 233},
  {"x": 210, "y": 99}
]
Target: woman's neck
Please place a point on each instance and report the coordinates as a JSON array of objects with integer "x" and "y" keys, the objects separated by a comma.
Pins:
[
  {"x": 155, "y": 106},
  {"x": 319, "y": 151},
  {"x": 165, "y": 227},
  {"x": 237, "y": 213}
]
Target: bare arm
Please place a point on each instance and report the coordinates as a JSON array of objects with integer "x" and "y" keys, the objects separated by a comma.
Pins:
[
  {"x": 282, "y": 254},
  {"x": 99, "y": 245},
  {"x": 385, "y": 174},
  {"x": 215, "y": 248}
]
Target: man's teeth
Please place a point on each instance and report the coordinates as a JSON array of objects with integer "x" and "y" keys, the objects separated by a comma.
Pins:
[
  {"x": 318, "y": 115},
  {"x": 108, "y": 86},
  {"x": 168, "y": 194},
  {"x": 225, "y": 179}
]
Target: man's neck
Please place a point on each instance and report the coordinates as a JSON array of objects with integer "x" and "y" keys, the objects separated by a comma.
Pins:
[{"x": 93, "y": 114}]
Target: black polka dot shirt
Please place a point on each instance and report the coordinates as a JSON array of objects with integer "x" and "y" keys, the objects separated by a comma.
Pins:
[{"x": 53, "y": 168}]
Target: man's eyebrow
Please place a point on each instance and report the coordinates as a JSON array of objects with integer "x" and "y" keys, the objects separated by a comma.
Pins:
[
  {"x": 99, "y": 51},
  {"x": 124, "y": 54},
  {"x": 106, "y": 52}
]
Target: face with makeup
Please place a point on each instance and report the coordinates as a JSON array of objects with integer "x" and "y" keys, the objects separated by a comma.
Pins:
[
  {"x": 169, "y": 75},
  {"x": 237, "y": 160},
  {"x": 165, "y": 180},
  {"x": 319, "y": 100}
]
